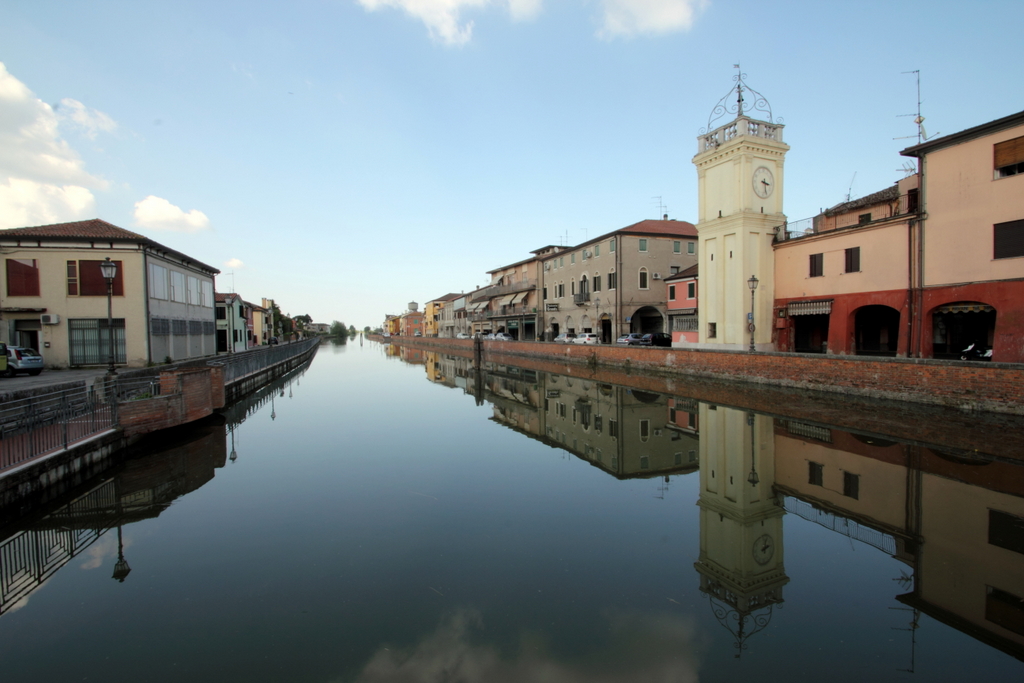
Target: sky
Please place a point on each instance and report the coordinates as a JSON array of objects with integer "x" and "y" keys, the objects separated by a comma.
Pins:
[{"x": 346, "y": 157}]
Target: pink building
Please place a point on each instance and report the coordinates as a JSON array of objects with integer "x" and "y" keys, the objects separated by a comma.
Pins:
[{"x": 681, "y": 297}]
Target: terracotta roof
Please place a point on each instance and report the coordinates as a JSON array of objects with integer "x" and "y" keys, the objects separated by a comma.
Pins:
[
  {"x": 655, "y": 227},
  {"x": 886, "y": 195},
  {"x": 94, "y": 229},
  {"x": 222, "y": 298},
  {"x": 684, "y": 274}
]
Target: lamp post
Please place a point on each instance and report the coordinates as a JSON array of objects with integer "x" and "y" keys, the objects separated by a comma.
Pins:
[
  {"x": 108, "y": 269},
  {"x": 752, "y": 283}
]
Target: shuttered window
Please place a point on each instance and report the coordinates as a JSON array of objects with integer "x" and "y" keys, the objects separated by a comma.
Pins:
[
  {"x": 1009, "y": 157},
  {"x": 92, "y": 283},
  {"x": 817, "y": 265},
  {"x": 22, "y": 277},
  {"x": 853, "y": 259},
  {"x": 1008, "y": 239}
]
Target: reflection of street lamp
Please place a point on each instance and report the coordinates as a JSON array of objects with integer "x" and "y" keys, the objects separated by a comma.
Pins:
[
  {"x": 108, "y": 269},
  {"x": 752, "y": 477},
  {"x": 121, "y": 568},
  {"x": 752, "y": 283},
  {"x": 234, "y": 453}
]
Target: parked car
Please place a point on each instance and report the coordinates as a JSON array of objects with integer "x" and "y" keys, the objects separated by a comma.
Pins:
[
  {"x": 462, "y": 335},
  {"x": 501, "y": 336},
  {"x": 565, "y": 338},
  {"x": 417, "y": 333},
  {"x": 631, "y": 339},
  {"x": 656, "y": 339},
  {"x": 273, "y": 341},
  {"x": 23, "y": 359},
  {"x": 587, "y": 338}
]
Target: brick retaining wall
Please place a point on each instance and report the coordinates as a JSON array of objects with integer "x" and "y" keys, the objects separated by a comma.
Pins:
[{"x": 993, "y": 387}]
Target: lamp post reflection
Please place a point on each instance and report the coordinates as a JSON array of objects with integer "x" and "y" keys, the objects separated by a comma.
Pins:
[{"x": 121, "y": 568}]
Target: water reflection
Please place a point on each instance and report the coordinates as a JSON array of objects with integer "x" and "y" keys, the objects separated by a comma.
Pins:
[{"x": 954, "y": 517}]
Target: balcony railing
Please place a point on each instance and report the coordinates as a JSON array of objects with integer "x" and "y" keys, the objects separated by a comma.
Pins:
[
  {"x": 851, "y": 217},
  {"x": 498, "y": 290},
  {"x": 507, "y": 311},
  {"x": 581, "y": 298}
]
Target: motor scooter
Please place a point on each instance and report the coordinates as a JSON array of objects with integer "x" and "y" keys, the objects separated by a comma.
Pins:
[{"x": 975, "y": 352}]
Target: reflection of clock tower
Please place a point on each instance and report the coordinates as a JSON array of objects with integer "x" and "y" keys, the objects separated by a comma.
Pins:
[
  {"x": 740, "y": 180},
  {"x": 740, "y": 565}
]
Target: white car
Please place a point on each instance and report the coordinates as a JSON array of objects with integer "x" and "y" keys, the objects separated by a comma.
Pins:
[
  {"x": 587, "y": 338},
  {"x": 462, "y": 335}
]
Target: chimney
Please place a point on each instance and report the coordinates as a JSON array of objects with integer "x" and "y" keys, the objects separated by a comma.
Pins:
[{"x": 665, "y": 218}]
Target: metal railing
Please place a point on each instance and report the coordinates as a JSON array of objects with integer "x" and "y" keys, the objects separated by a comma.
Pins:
[
  {"x": 843, "y": 525},
  {"x": 34, "y": 426},
  {"x": 850, "y": 215},
  {"x": 497, "y": 290},
  {"x": 240, "y": 365}
]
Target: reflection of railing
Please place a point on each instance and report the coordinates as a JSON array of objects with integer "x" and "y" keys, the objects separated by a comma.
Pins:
[
  {"x": 29, "y": 558},
  {"x": 47, "y": 422},
  {"x": 843, "y": 525}
]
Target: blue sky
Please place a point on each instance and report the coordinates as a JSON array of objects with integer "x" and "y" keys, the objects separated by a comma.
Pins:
[{"x": 345, "y": 157}]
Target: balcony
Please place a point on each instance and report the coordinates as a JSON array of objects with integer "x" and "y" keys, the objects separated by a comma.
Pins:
[
  {"x": 581, "y": 299},
  {"x": 865, "y": 211},
  {"x": 498, "y": 290},
  {"x": 512, "y": 311}
]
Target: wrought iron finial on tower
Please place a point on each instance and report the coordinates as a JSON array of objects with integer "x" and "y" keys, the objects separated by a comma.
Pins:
[{"x": 725, "y": 106}]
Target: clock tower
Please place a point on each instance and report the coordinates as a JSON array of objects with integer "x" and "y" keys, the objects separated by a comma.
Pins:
[
  {"x": 740, "y": 564},
  {"x": 740, "y": 181}
]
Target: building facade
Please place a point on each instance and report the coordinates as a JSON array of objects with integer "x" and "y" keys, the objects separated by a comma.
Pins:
[{"x": 54, "y": 297}]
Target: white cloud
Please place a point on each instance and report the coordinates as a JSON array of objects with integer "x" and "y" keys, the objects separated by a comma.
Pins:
[
  {"x": 443, "y": 18},
  {"x": 234, "y": 264},
  {"x": 89, "y": 121},
  {"x": 634, "y": 17},
  {"x": 42, "y": 179},
  {"x": 159, "y": 214}
]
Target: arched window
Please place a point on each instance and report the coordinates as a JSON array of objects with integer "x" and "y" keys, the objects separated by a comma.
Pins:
[
  {"x": 643, "y": 278},
  {"x": 597, "y": 282},
  {"x": 584, "y": 285}
]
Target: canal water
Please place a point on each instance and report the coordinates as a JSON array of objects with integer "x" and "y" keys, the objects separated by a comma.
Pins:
[{"x": 388, "y": 514}]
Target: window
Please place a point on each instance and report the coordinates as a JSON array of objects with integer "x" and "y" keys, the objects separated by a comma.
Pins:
[
  {"x": 613, "y": 428},
  {"x": 611, "y": 245},
  {"x": 561, "y": 261},
  {"x": 545, "y": 292},
  {"x": 671, "y": 292},
  {"x": 193, "y": 290},
  {"x": 177, "y": 286},
  {"x": 597, "y": 282},
  {"x": 1008, "y": 239},
  {"x": 712, "y": 330},
  {"x": 597, "y": 249},
  {"x": 1004, "y": 609},
  {"x": 207, "y": 300},
  {"x": 691, "y": 290},
  {"x": 23, "y": 277},
  {"x": 851, "y": 485},
  {"x": 572, "y": 287},
  {"x": 863, "y": 218},
  {"x": 1009, "y": 157},
  {"x": 677, "y": 247},
  {"x": 643, "y": 244},
  {"x": 572, "y": 258},
  {"x": 91, "y": 281},
  {"x": 89, "y": 341},
  {"x": 815, "y": 473},
  {"x": 157, "y": 281},
  {"x": 817, "y": 265},
  {"x": 612, "y": 280},
  {"x": 853, "y": 260},
  {"x": 691, "y": 248},
  {"x": 645, "y": 430},
  {"x": 160, "y": 327},
  {"x": 674, "y": 269},
  {"x": 1006, "y": 531},
  {"x": 222, "y": 313},
  {"x": 643, "y": 278},
  {"x": 72, "y": 278}
]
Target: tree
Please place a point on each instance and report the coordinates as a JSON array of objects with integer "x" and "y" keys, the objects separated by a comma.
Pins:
[
  {"x": 339, "y": 332},
  {"x": 352, "y": 330}
]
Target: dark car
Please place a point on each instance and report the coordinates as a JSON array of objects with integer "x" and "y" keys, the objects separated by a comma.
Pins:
[
  {"x": 656, "y": 339},
  {"x": 631, "y": 339}
]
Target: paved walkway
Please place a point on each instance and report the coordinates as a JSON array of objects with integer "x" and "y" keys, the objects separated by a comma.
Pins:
[{"x": 47, "y": 378}]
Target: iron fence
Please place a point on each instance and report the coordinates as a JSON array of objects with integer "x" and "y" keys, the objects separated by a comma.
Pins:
[{"x": 240, "y": 365}]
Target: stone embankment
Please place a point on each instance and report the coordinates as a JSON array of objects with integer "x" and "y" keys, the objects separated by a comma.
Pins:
[{"x": 970, "y": 386}]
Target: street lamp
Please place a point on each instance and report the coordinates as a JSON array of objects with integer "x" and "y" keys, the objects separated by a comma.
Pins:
[
  {"x": 108, "y": 269},
  {"x": 752, "y": 283}
]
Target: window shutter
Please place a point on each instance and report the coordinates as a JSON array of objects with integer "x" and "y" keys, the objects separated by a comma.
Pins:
[
  {"x": 1009, "y": 152},
  {"x": 1008, "y": 239}
]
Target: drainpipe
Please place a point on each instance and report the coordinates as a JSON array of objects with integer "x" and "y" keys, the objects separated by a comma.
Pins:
[
  {"x": 145, "y": 291},
  {"x": 618, "y": 297},
  {"x": 922, "y": 210}
]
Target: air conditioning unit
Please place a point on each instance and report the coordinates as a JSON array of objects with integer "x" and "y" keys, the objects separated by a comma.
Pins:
[
  {"x": 587, "y": 254},
  {"x": 547, "y": 266},
  {"x": 657, "y": 432},
  {"x": 49, "y": 319},
  {"x": 657, "y": 276}
]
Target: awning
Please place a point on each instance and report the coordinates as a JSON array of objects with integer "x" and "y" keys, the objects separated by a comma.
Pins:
[
  {"x": 822, "y": 307},
  {"x": 965, "y": 308},
  {"x": 478, "y": 306},
  {"x": 516, "y": 298},
  {"x": 506, "y": 300}
]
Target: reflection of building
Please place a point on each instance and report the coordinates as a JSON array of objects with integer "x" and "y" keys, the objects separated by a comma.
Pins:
[
  {"x": 956, "y": 519},
  {"x": 141, "y": 489},
  {"x": 741, "y": 559}
]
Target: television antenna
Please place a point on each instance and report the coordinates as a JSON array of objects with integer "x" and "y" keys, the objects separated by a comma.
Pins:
[
  {"x": 922, "y": 135},
  {"x": 849, "y": 192},
  {"x": 662, "y": 209}
]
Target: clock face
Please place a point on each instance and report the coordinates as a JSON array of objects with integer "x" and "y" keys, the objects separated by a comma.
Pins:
[
  {"x": 764, "y": 182},
  {"x": 764, "y": 549}
]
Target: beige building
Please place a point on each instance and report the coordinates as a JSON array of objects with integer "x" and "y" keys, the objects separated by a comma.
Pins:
[
  {"x": 612, "y": 284},
  {"x": 54, "y": 298}
]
